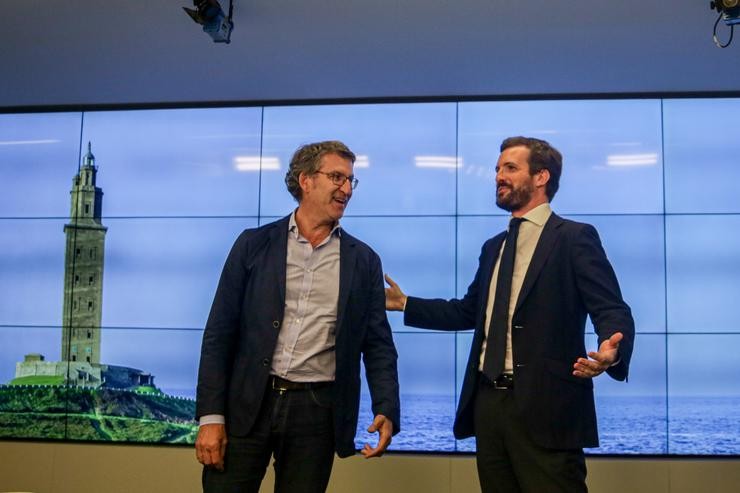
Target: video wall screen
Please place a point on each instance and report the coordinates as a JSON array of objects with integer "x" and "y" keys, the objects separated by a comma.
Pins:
[{"x": 108, "y": 275}]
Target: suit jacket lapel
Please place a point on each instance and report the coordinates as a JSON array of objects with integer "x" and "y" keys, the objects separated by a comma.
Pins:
[
  {"x": 489, "y": 261},
  {"x": 548, "y": 238},
  {"x": 277, "y": 259},
  {"x": 347, "y": 261}
]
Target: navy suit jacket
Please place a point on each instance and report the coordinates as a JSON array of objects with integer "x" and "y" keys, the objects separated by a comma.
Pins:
[
  {"x": 245, "y": 319},
  {"x": 569, "y": 277}
]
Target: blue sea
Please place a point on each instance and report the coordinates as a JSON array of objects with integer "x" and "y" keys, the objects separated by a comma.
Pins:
[{"x": 627, "y": 425}]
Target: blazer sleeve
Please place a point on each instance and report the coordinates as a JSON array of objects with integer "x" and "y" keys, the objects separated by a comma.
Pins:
[
  {"x": 599, "y": 289},
  {"x": 453, "y": 314},
  {"x": 379, "y": 352},
  {"x": 221, "y": 333}
]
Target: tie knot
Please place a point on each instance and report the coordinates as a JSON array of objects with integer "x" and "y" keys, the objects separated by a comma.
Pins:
[{"x": 515, "y": 222}]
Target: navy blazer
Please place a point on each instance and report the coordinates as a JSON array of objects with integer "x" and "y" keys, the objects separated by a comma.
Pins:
[
  {"x": 245, "y": 319},
  {"x": 569, "y": 277}
]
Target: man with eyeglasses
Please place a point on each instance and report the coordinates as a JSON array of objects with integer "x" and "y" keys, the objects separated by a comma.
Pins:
[
  {"x": 527, "y": 396},
  {"x": 299, "y": 302}
]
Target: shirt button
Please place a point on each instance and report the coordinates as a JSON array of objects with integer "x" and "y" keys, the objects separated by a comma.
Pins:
[
  {"x": 265, "y": 362},
  {"x": 275, "y": 324}
]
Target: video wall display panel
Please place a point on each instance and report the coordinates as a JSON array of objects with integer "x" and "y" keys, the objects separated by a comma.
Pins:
[
  {"x": 163, "y": 272},
  {"x": 37, "y": 154},
  {"x": 612, "y": 158},
  {"x": 107, "y": 288},
  {"x": 703, "y": 394},
  {"x": 15, "y": 341},
  {"x": 166, "y": 354},
  {"x": 406, "y": 246},
  {"x": 430, "y": 407},
  {"x": 635, "y": 246},
  {"x": 703, "y": 273},
  {"x": 31, "y": 270},
  {"x": 188, "y": 162},
  {"x": 406, "y": 154},
  {"x": 695, "y": 142},
  {"x": 633, "y": 417}
]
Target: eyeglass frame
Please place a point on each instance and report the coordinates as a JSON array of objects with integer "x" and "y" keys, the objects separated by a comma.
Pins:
[{"x": 337, "y": 177}]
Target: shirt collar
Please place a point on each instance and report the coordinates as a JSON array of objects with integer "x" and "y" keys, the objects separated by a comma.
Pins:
[
  {"x": 293, "y": 227},
  {"x": 539, "y": 215}
]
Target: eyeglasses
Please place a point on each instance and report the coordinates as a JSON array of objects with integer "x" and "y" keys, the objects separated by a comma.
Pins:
[{"x": 338, "y": 179}]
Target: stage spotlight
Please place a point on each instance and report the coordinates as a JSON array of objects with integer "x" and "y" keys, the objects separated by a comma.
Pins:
[
  {"x": 729, "y": 9},
  {"x": 210, "y": 15},
  {"x": 729, "y": 12}
]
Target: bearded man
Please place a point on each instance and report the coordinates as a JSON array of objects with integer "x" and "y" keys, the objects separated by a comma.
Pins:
[{"x": 527, "y": 396}]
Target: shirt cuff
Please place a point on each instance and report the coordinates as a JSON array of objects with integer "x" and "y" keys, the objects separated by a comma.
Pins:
[{"x": 212, "y": 419}]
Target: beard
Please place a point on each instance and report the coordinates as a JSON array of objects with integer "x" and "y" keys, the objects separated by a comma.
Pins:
[{"x": 516, "y": 198}]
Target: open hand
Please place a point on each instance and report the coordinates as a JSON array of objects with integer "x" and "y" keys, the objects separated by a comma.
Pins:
[{"x": 598, "y": 362}]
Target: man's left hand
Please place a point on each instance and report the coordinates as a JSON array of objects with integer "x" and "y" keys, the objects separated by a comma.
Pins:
[
  {"x": 599, "y": 361},
  {"x": 384, "y": 427}
]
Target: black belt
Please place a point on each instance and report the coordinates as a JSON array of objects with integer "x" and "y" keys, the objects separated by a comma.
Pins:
[
  {"x": 504, "y": 381},
  {"x": 281, "y": 384}
]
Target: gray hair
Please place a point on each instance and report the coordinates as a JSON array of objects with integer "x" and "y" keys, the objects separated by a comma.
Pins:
[{"x": 307, "y": 160}]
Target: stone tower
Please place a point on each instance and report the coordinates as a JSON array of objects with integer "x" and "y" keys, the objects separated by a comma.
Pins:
[
  {"x": 83, "y": 268},
  {"x": 80, "y": 363}
]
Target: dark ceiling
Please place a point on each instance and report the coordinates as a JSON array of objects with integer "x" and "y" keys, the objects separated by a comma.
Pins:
[{"x": 93, "y": 52}]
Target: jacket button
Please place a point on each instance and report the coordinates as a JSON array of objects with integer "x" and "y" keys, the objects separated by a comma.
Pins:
[
  {"x": 275, "y": 324},
  {"x": 265, "y": 362}
]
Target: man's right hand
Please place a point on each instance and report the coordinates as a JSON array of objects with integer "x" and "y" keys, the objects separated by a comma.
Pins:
[
  {"x": 395, "y": 299},
  {"x": 210, "y": 446}
]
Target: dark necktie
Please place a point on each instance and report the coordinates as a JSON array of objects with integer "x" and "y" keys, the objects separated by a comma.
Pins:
[{"x": 493, "y": 363}]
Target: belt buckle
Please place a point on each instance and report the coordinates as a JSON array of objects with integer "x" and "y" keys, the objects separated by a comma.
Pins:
[
  {"x": 277, "y": 386},
  {"x": 506, "y": 382}
]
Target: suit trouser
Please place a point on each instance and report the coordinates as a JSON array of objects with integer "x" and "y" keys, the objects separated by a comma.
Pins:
[
  {"x": 294, "y": 426},
  {"x": 509, "y": 461}
]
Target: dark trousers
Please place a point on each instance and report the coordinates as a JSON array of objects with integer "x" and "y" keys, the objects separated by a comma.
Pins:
[
  {"x": 294, "y": 426},
  {"x": 509, "y": 461}
]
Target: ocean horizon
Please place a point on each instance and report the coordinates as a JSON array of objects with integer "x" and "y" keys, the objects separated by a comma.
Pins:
[
  {"x": 634, "y": 425},
  {"x": 630, "y": 425}
]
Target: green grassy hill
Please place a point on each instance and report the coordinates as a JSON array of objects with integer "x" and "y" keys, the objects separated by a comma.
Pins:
[
  {"x": 38, "y": 380},
  {"x": 77, "y": 413}
]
